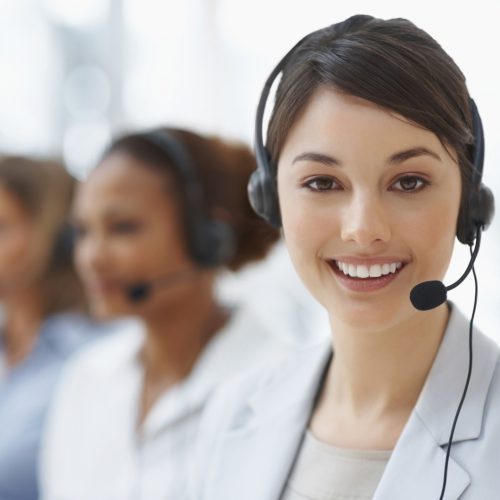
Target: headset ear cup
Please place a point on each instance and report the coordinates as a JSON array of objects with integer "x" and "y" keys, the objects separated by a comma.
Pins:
[
  {"x": 484, "y": 210},
  {"x": 224, "y": 240},
  {"x": 215, "y": 244},
  {"x": 64, "y": 243},
  {"x": 264, "y": 198},
  {"x": 480, "y": 213}
]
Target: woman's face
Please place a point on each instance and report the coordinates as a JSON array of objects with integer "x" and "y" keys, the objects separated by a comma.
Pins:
[
  {"x": 128, "y": 230},
  {"x": 18, "y": 260},
  {"x": 369, "y": 204}
]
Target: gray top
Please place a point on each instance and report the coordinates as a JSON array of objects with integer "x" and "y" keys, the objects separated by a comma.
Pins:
[
  {"x": 25, "y": 394},
  {"x": 324, "y": 472}
]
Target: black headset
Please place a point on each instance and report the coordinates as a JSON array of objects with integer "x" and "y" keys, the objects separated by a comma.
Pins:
[
  {"x": 64, "y": 244},
  {"x": 210, "y": 242},
  {"x": 263, "y": 194}
]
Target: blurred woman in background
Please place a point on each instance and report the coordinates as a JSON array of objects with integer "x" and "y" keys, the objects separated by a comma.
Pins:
[
  {"x": 162, "y": 214},
  {"x": 42, "y": 303}
]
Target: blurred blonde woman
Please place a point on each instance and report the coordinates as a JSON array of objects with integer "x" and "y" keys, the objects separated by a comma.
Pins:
[{"x": 43, "y": 306}]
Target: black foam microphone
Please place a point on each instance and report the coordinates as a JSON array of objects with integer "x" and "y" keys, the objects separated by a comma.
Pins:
[
  {"x": 141, "y": 290},
  {"x": 431, "y": 294}
]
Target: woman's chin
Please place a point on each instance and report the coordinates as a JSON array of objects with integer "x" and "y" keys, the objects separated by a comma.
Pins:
[
  {"x": 369, "y": 315},
  {"x": 106, "y": 312}
]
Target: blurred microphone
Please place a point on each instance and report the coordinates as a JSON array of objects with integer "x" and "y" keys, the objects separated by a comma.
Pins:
[
  {"x": 141, "y": 290},
  {"x": 431, "y": 294}
]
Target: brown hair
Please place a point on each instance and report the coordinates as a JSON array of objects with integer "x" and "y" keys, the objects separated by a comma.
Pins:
[
  {"x": 45, "y": 190},
  {"x": 391, "y": 63},
  {"x": 223, "y": 170}
]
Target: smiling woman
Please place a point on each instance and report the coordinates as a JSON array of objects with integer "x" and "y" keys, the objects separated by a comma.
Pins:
[
  {"x": 372, "y": 167},
  {"x": 162, "y": 214}
]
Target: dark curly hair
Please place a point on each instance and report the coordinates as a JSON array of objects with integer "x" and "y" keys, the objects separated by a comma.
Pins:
[{"x": 223, "y": 169}]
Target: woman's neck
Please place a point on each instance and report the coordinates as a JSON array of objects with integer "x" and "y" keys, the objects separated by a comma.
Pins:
[
  {"x": 23, "y": 318},
  {"x": 174, "y": 342},
  {"x": 375, "y": 379}
]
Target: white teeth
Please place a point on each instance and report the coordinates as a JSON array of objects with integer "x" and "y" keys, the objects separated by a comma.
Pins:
[
  {"x": 364, "y": 271},
  {"x": 375, "y": 271}
]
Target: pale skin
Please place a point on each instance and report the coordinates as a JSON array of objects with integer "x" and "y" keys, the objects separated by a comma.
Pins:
[
  {"x": 21, "y": 262},
  {"x": 130, "y": 230},
  {"x": 361, "y": 185}
]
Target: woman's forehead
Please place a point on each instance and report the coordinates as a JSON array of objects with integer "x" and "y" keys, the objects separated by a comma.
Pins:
[
  {"x": 333, "y": 119},
  {"x": 122, "y": 181}
]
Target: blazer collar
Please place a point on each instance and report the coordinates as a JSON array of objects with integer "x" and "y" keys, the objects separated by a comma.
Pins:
[
  {"x": 270, "y": 434},
  {"x": 296, "y": 383},
  {"x": 443, "y": 389},
  {"x": 415, "y": 470}
]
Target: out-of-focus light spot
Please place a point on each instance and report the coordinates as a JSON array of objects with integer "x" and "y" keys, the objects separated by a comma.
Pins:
[
  {"x": 155, "y": 18},
  {"x": 29, "y": 61},
  {"x": 77, "y": 13},
  {"x": 87, "y": 92},
  {"x": 83, "y": 144}
]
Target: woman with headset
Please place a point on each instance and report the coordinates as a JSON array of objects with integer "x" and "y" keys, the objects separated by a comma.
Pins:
[
  {"x": 43, "y": 318},
  {"x": 372, "y": 167},
  {"x": 158, "y": 219}
]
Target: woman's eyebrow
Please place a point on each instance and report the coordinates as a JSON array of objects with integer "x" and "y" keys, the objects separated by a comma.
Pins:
[
  {"x": 402, "y": 156},
  {"x": 317, "y": 158},
  {"x": 396, "y": 158}
]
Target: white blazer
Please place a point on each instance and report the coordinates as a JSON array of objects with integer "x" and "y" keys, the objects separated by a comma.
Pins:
[{"x": 252, "y": 431}]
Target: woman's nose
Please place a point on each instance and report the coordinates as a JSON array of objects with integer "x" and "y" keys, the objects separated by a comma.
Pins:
[{"x": 365, "y": 221}]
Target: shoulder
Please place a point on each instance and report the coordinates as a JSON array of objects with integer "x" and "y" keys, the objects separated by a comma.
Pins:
[
  {"x": 264, "y": 357},
  {"x": 247, "y": 340},
  {"x": 90, "y": 379},
  {"x": 483, "y": 396},
  {"x": 265, "y": 390},
  {"x": 119, "y": 343},
  {"x": 68, "y": 332},
  {"x": 96, "y": 367}
]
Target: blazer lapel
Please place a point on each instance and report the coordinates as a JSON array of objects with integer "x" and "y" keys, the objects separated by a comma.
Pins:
[
  {"x": 270, "y": 434},
  {"x": 415, "y": 470},
  {"x": 416, "y": 467}
]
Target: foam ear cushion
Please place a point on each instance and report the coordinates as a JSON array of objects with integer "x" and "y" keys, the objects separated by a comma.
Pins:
[
  {"x": 479, "y": 214},
  {"x": 214, "y": 243},
  {"x": 64, "y": 244},
  {"x": 264, "y": 198}
]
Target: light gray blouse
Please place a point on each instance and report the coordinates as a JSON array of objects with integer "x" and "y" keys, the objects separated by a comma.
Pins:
[{"x": 324, "y": 472}]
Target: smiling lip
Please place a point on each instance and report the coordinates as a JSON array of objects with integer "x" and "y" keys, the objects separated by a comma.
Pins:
[{"x": 369, "y": 284}]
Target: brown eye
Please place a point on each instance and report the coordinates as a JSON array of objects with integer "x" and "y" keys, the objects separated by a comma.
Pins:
[
  {"x": 410, "y": 183},
  {"x": 125, "y": 227},
  {"x": 320, "y": 184}
]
